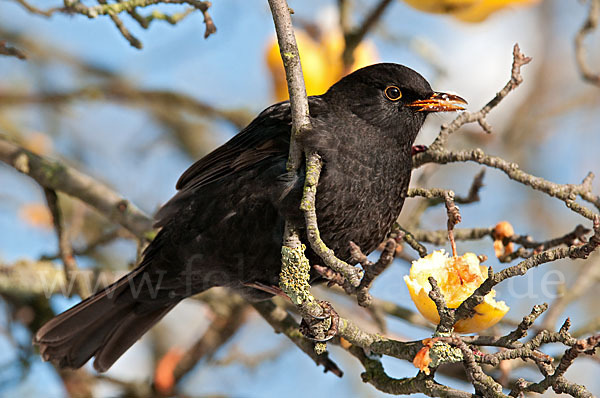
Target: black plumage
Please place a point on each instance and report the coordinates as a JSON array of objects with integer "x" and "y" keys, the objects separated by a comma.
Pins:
[{"x": 224, "y": 227}]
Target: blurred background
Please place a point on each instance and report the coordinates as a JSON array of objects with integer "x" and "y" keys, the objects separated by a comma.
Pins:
[{"x": 136, "y": 119}]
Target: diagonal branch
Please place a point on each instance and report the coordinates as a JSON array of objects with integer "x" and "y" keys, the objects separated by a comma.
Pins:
[
  {"x": 133, "y": 41},
  {"x": 58, "y": 176},
  {"x": 519, "y": 59},
  {"x": 566, "y": 192},
  {"x": 121, "y": 92},
  {"x": 375, "y": 375},
  {"x": 11, "y": 51},
  {"x": 221, "y": 330}
]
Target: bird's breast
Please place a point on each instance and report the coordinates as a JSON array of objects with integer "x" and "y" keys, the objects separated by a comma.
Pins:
[{"x": 360, "y": 195}]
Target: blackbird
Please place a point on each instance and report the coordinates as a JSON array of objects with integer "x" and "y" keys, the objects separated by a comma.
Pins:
[{"x": 224, "y": 227}]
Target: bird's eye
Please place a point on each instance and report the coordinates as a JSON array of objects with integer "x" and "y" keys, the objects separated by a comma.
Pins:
[{"x": 393, "y": 93}]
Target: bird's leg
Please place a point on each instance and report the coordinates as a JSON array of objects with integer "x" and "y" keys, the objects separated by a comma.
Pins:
[
  {"x": 418, "y": 149},
  {"x": 307, "y": 327}
]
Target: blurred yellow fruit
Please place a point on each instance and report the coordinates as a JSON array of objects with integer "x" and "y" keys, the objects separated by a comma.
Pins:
[
  {"x": 36, "y": 215},
  {"x": 38, "y": 143},
  {"x": 321, "y": 62},
  {"x": 457, "y": 278},
  {"x": 441, "y": 6},
  {"x": 503, "y": 230},
  {"x": 466, "y": 10},
  {"x": 485, "y": 8}
]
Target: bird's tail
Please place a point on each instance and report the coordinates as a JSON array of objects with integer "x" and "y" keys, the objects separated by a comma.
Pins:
[{"x": 104, "y": 325}]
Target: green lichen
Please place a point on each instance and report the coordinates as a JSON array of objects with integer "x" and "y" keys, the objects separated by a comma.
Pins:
[
  {"x": 52, "y": 172},
  {"x": 295, "y": 274},
  {"x": 308, "y": 198},
  {"x": 150, "y": 235},
  {"x": 320, "y": 348},
  {"x": 442, "y": 353}
]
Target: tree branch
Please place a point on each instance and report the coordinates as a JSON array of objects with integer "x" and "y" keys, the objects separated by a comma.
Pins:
[
  {"x": 566, "y": 192},
  {"x": 589, "y": 25},
  {"x": 57, "y": 176},
  {"x": 64, "y": 246},
  {"x": 308, "y": 205},
  {"x": 113, "y": 9},
  {"x": 353, "y": 38},
  {"x": 11, "y": 51},
  {"x": 125, "y": 93},
  {"x": 294, "y": 77},
  {"x": 282, "y": 322}
]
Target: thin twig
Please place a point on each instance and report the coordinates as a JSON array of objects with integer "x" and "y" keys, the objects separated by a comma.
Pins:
[
  {"x": 446, "y": 314},
  {"x": 452, "y": 209},
  {"x": 122, "y": 92},
  {"x": 308, "y": 205},
  {"x": 284, "y": 323},
  {"x": 375, "y": 375},
  {"x": 353, "y": 38},
  {"x": 133, "y": 41},
  {"x": 64, "y": 246},
  {"x": 371, "y": 270},
  {"x": 519, "y": 59},
  {"x": 129, "y": 6},
  {"x": 582, "y": 252},
  {"x": 565, "y": 192},
  {"x": 218, "y": 333},
  {"x": 409, "y": 238},
  {"x": 589, "y": 25},
  {"x": 11, "y": 51}
]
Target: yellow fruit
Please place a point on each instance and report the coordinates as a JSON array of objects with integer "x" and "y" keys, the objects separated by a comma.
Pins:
[
  {"x": 485, "y": 8},
  {"x": 333, "y": 44},
  {"x": 321, "y": 62},
  {"x": 457, "y": 278},
  {"x": 441, "y": 6},
  {"x": 314, "y": 66},
  {"x": 466, "y": 10}
]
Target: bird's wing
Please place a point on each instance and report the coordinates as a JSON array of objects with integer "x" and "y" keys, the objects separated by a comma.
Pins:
[{"x": 266, "y": 138}]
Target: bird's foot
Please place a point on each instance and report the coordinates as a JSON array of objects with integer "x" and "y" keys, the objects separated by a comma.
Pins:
[
  {"x": 418, "y": 149},
  {"x": 307, "y": 328}
]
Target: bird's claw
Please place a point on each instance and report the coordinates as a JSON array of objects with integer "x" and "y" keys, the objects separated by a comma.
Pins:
[
  {"x": 328, "y": 312},
  {"x": 418, "y": 149}
]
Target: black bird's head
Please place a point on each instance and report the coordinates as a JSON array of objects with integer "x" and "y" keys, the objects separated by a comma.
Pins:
[{"x": 392, "y": 98}]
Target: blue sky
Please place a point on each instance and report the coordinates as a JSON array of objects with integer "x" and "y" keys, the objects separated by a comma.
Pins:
[{"x": 126, "y": 148}]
